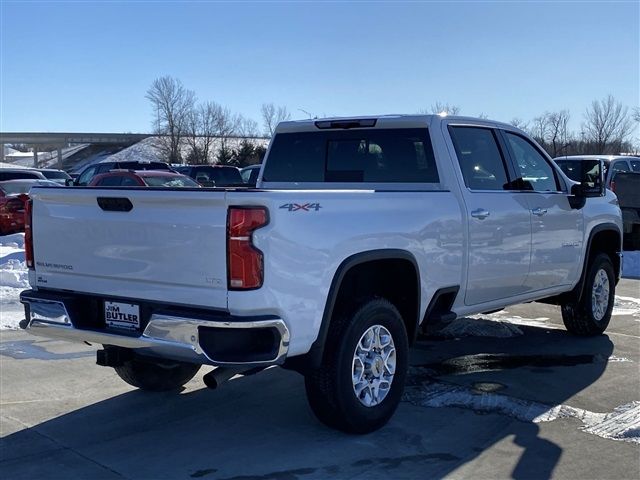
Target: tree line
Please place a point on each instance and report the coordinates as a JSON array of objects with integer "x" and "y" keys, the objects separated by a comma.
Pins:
[{"x": 207, "y": 132}]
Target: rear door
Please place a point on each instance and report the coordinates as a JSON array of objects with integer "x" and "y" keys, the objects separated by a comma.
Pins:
[
  {"x": 557, "y": 228},
  {"x": 499, "y": 224}
]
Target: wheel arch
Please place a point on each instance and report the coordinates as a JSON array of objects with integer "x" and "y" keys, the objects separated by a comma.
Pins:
[
  {"x": 603, "y": 238},
  {"x": 360, "y": 264}
]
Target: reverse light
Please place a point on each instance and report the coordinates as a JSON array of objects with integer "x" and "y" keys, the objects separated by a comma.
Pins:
[
  {"x": 245, "y": 263},
  {"x": 28, "y": 233}
]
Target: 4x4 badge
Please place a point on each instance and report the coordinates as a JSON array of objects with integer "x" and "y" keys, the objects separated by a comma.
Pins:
[{"x": 306, "y": 207}]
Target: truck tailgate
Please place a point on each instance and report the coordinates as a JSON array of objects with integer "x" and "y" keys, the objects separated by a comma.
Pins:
[
  {"x": 170, "y": 246},
  {"x": 627, "y": 186}
]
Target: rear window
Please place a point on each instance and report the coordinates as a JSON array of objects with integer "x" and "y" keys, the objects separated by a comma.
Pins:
[
  {"x": 354, "y": 156},
  {"x": 18, "y": 175},
  {"x": 164, "y": 181},
  {"x": 55, "y": 174},
  {"x": 216, "y": 176},
  {"x": 570, "y": 168},
  {"x": 142, "y": 166}
]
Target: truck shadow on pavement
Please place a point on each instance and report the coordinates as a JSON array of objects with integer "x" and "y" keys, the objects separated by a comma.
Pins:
[{"x": 463, "y": 396}]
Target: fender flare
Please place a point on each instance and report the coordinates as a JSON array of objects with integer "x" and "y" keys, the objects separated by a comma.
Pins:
[
  {"x": 578, "y": 290},
  {"x": 314, "y": 356}
]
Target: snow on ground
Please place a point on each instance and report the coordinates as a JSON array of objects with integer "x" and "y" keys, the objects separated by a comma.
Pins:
[
  {"x": 622, "y": 424},
  {"x": 13, "y": 279}
]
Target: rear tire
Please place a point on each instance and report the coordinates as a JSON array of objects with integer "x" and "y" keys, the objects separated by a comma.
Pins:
[
  {"x": 591, "y": 315},
  {"x": 366, "y": 352},
  {"x": 156, "y": 375}
]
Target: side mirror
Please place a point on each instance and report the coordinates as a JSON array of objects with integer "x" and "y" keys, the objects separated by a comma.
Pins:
[
  {"x": 591, "y": 182},
  {"x": 69, "y": 182}
]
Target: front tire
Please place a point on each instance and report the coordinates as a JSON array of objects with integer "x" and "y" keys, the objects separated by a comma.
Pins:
[
  {"x": 156, "y": 375},
  {"x": 360, "y": 383},
  {"x": 591, "y": 315}
]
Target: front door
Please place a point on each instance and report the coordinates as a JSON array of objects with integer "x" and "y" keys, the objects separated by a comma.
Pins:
[{"x": 556, "y": 227}]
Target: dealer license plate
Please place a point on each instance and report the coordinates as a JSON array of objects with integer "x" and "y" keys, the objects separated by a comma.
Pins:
[{"x": 122, "y": 315}]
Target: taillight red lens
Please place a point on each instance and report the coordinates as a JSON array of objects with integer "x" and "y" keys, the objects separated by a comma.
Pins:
[
  {"x": 244, "y": 261},
  {"x": 28, "y": 234}
]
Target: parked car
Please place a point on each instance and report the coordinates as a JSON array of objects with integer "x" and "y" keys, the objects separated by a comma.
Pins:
[
  {"x": 18, "y": 173},
  {"x": 58, "y": 176},
  {"x": 612, "y": 164},
  {"x": 332, "y": 266},
  {"x": 212, "y": 175},
  {"x": 626, "y": 186},
  {"x": 142, "y": 178},
  {"x": 13, "y": 195},
  {"x": 91, "y": 171},
  {"x": 250, "y": 174}
]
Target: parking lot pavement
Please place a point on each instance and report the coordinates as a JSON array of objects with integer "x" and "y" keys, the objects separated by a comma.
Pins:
[{"x": 505, "y": 395}]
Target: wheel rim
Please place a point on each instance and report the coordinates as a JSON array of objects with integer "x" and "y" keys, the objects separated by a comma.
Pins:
[
  {"x": 373, "y": 366},
  {"x": 600, "y": 295}
]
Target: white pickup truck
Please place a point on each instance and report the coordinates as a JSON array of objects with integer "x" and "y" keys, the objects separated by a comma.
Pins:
[{"x": 360, "y": 233}]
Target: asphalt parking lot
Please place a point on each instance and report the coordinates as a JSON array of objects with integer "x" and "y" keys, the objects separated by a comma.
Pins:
[{"x": 509, "y": 395}]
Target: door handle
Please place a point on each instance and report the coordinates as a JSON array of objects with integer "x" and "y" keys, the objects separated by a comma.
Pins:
[
  {"x": 539, "y": 211},
  {"x": 480, "y": 213}
]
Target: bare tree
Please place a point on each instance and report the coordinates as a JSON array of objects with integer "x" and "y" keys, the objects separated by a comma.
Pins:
[
  {"x": 172, "y": 104},
  {"x": 557, "y": 130},
  {"x": 247, "y": 127},
  {"x": 443, "y": 107},
  {"x": 271, "y": 116},
  {"x": 540, "y": 128},
  {"x": 519, "y": 123},
  {"x": 607, "y": 125}
]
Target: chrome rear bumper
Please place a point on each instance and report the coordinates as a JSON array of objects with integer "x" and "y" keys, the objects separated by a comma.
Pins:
[{"x": 165, "y": 336}]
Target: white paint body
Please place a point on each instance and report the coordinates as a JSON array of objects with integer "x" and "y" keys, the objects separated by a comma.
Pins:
[{"x": 171, "y": 247}]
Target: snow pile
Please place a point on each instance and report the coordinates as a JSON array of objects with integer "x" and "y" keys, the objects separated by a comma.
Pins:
[
  {"x": 13, "y": 279},
  {"x": 14, "y": 274},
  {"x": 145, "y": 150}
]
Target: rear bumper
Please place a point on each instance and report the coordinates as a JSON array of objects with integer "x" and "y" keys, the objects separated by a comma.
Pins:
[{"x": 213, "y": 338}]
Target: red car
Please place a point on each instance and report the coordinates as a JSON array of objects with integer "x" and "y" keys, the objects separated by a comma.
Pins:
[
  {"x": 13, "y": 194},
  {"x": 142, "y": 178}
]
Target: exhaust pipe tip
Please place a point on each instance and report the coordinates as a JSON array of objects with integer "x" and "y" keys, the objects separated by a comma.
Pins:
[{"x": 219, "y": 375}]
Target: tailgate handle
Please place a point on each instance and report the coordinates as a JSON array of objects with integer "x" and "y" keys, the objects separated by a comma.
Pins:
[{"x": 115, "y": 204}]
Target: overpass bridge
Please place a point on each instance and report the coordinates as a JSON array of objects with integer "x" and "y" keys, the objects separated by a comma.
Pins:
[{"x": 61, "y": 140}]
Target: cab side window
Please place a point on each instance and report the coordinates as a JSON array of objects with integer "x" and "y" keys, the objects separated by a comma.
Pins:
[
  {"x": 620, "y": 166},
  {"x": 480, "y": 159},
  {"x": 532, "y": 169},
  {"x": 635, "y": 165},
  {"x": 86, "y": 176}
]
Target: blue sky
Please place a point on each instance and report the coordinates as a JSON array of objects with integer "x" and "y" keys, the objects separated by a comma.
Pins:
[{"x": 85, "y": 66}]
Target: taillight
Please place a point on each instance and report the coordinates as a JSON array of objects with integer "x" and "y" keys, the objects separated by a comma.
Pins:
[
  {"x": 28, "y": 233},
  {"x": 244, "y": 261}
]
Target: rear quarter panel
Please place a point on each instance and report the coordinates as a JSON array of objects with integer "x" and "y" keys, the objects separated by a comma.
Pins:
[{"x": 303, "y": 248}]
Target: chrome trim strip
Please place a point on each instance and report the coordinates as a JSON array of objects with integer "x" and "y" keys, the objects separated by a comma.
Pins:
[{"x": 165, "y": 335}]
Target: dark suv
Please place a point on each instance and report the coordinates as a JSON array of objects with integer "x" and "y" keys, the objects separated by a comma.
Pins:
[
  {"x": 212, "y": 175},
  {"x": 91, "y": 171}
]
